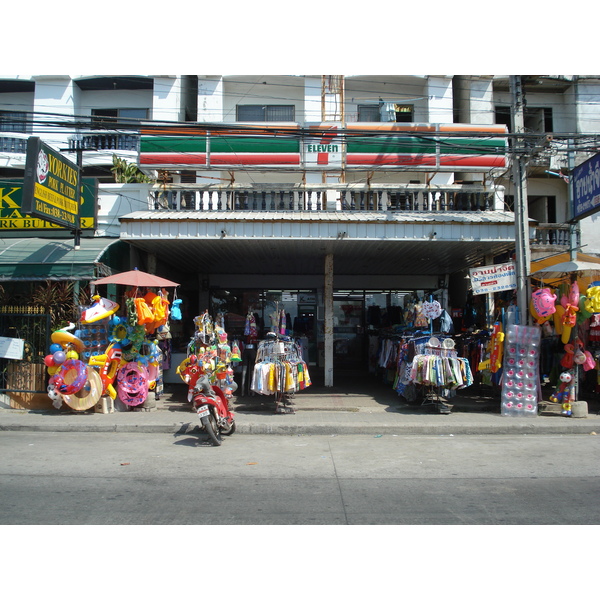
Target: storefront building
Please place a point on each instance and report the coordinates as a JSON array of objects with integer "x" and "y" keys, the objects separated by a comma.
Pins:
[{"x": 337, "y": 204}]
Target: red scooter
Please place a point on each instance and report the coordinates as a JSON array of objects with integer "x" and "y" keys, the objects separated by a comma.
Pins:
[{"x": 212, "y": 408}]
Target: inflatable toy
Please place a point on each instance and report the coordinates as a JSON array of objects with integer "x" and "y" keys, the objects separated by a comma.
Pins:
[
  {"x": 70, "y": 378},
  {"x": 567, "y": 360},
  {"x": 432, "y": 310},
  {"x": 543, "y": 301},
  {"x": 65, "y": 339},
  {"x": 190, "y": 370},
  {"x": 497, "y": 346},
  {"x": 176, "y": 310},
  {"x": 144, "y": 314},
  {"x": 557, "y": 319},
  {"x": 583, "y": 313},
  {"x": 109, "y": 364},
  {"x": 571, "y": 306},
  {"x": 563, "y": 392},
  {"x": 132, "y": 383},
  {"x": 101, "y": 308},
  {"x": 89, "y": 395},
  {"x": 592, "y": 302}
]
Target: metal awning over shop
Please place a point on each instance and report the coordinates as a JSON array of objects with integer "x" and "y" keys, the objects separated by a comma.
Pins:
[
  {"x": 375, "y": 243},
  {"x": 38, "y": 259}
]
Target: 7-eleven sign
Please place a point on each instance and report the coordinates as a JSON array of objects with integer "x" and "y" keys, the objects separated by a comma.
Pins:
[{"x": 324, "y": 150}]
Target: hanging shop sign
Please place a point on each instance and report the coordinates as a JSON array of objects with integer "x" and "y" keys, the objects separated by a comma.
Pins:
[
  {"x": 493, "y": 278},
  {"x": 50, "y": 186},
  {"x": 14, "y": 218},
  {"x": 586, "y": 188},
  {"x": 359, "y": 145},
  {"x": 325, "y": 149}
]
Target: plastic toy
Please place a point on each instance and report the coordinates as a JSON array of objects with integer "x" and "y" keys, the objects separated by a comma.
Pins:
[
  {"x": 176, "y": 310},
  {"x": 89, "y": 394},
  {"x": 70, "y": 378},
  {"x": 571, "y": 306},
  {"x": 543, "y": 304},
  {"x": 583, "y": 313},
  {"x": 109, "y": 364},
  {"x": 101, "y": 308},
  {"x": 592, "y": 302},
  {"x": 65, "y": 339},
  {"x": 132, "y": 383}
]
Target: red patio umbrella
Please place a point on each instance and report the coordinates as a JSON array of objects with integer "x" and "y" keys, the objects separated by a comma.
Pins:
[{"x": 136, "y": 278}]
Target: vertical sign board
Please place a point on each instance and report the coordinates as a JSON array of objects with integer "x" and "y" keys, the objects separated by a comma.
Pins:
[
  {"x": 586, "y": 188},
  {"x": 50, "y": 186}
]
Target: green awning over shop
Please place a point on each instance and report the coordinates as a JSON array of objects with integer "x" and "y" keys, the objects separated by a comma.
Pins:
[{"x": 38, "y": 259}]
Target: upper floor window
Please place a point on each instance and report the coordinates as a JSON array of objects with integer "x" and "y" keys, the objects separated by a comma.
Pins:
[
  {"x": 111, "y": 117},
  {"x": 536, "y": 120},
  {"x": 386, "y": 112},
  {"x": 261, "y": 112},
  {"x": 404, "y": 113},
  {"x": 15, "y": 122},
  {"x": 368, "y": 113}
]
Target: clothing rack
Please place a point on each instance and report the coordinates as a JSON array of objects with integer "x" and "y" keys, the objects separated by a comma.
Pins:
[{"x": 280, "y": 371}]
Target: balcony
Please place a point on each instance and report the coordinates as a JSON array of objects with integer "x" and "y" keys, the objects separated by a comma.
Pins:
[
  {"x": 13, "y": 143},
  {"x": 103, "y": 140},
  {"x": 551, "y": 236},
  {"x": 329, "y": 197}
]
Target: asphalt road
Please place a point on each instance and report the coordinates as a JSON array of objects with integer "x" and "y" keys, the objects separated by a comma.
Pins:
[{"x": 131, "y": 479}]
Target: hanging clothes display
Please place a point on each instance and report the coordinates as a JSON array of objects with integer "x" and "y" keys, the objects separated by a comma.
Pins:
[{"x": 280, "y": 371}]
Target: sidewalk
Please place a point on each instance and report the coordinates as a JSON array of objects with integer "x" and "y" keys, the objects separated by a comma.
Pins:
[{"x": 372, "y": 408}]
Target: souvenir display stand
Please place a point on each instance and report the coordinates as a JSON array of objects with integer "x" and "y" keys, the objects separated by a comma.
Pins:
[
  {"x": 210, "y": 355},
  {"x": 521, "y": 388},
  {"x": 565, "y": 319},
  {"x": 279, "y": 371},
  {"x": 105, "y": 357}
]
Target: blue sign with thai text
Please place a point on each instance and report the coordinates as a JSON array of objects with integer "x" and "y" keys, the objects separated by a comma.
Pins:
[{"x": 586, "y": 188}]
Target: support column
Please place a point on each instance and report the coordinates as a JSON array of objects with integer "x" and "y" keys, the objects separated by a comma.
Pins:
[
  {"x": 328, "y": 321},
  {"x": 521, "y": 205}
]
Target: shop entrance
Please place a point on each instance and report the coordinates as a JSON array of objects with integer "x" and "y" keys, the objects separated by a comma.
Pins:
[{"x": 349, "y": 348}]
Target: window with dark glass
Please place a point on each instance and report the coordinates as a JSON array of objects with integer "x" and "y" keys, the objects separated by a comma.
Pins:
[
  {"x": 15, "y": 122},
  {"x": 107, "y": 117},
  {"x": 262, "y": 112},
  {"x": 369, "y": 113}
]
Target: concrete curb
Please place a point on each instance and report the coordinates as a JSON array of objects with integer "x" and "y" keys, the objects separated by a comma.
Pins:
[{"x": 308, "y": 423}]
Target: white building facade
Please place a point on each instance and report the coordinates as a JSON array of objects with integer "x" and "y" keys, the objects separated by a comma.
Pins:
[{"x": 368, "y": 188}]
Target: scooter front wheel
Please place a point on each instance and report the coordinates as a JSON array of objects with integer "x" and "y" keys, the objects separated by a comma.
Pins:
[{"x": 210, "y": 425}]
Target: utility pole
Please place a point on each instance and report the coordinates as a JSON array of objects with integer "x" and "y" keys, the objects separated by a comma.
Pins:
[{"x": 519, "y": 167}]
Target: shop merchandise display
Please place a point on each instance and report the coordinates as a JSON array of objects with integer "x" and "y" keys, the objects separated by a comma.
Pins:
[
  {"x": 108, "y": 355},
  {"x": 521, "y": 382},
  {"x": 210, "y": 356},
  {"x": 279, "y": 371}
]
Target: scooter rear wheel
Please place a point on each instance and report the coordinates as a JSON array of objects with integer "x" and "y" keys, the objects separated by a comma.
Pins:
[{"x": 210, "y": 425}]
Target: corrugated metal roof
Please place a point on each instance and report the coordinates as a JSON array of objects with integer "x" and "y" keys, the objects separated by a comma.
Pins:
[
  {"x": 324, "y": 216},
  {"x": 34, "y": 259},
  {"x": 385, "y": 243}
]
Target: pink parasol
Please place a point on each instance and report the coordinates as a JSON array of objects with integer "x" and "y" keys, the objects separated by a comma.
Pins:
[{"x": 136, "y": 278}]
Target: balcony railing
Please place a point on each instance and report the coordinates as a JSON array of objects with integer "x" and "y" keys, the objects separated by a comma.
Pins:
[
  {"x": 551, "y": 234},
  {"x": 103, "y": 140},
  {"x": 351, "y": 197}
]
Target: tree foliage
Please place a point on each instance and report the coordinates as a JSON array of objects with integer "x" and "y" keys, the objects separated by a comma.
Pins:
[{"x": 125, "y": 172}]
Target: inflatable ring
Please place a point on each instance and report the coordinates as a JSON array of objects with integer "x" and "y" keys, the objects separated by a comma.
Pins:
[
  {"x": 119, "y": 333},
  {"x": 71, "y": 377},
  {"x": 132, "y": 381},
  {"x": 65, "y": 338},
  {"x": 89, "y": 394}
]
